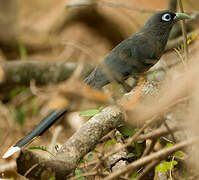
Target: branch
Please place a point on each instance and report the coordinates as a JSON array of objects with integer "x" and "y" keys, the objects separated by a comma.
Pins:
[
  {"x": 184, "y": 32},
  {"x": 172, "y": 5},
  {"x": 42, "y": 72},
  {"x": 174, "y": 43},
  {"x": 160, "y": 132},
  {"x": 87, "y": 13},
  {"x": 84, "y": 140},
  {"x": 158, "y": 155},
  {"x": 112, "y": 4}
]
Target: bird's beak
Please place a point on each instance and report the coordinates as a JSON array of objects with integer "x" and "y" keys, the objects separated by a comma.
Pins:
[{"x": 181, "y": 16}]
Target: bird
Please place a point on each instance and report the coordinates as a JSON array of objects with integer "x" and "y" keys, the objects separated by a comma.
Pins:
[
  {"x": 132, "y": 57},
  {"x": 137, "y": 54}
]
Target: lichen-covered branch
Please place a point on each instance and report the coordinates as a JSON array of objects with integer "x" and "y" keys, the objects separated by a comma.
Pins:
[{"x": 68, "y": 157}]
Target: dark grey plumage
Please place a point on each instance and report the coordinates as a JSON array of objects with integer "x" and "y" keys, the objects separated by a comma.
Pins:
[{"x": 136, "y": 54}]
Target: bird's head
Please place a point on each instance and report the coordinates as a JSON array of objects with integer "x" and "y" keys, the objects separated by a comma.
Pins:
[
  {"x": 158, "y": 26},
  {"x": 162, "y": 20},
  {"x": 167, "y": 17}
]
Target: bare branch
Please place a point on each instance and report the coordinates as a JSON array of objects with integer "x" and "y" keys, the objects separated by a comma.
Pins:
[
  {"x": 172, "y": 5},
  {"x": 42, "y": 72},
  {"x": 184, "y": 32}
]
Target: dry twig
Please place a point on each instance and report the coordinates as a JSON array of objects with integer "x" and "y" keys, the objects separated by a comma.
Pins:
[{"x": 158, "y": 155}]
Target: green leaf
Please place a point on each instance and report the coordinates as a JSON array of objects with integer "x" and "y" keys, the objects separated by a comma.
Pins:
[
  {"x": 118, "y": 89},
  {"x": 15, "y": 91},
  {"x": 130, "y": 155},
  {"x": 35, "y": 107},
  {"x": 182, "y": 46},
  {"x": 179, "y": 154},
  {"x": 19, "y": 115},
  {"x": 126, "y": 131},
  {"x": 194, "y": 36},
  {"x": 111, "y": 142},
  {"x": 90, "y": 113},
  {"x": 40, "y": 148},
  {"x": 82, "y": 161},
  {"x": 79, "y": 172},
  {"x": 154, "y": 73},
  {"x": 168, "y": 145},
  {"x": 188, "y": 41},
  {"x": 23, "y": 89},
  {"x": 22, "y": 51},
  {"x": 134, "y": 175},
  {"x": 52, "y": 178},
  {"x": 165, "y": 166},
  {"x": 137, "y": 150},
  {"x": 95, "y": 151},
  {"x": 90, "y": 156}
]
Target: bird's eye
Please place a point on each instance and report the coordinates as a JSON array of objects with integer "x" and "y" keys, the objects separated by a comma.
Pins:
[{"x": 167, "y": 17}]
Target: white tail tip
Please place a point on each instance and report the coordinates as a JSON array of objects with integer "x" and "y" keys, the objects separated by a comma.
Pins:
[{"x": 11, "y": 151}]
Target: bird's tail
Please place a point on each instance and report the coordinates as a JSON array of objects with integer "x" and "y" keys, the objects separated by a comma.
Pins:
[
  {"x": 38, "y": 130},
  {"x": 97, "y": 79}
]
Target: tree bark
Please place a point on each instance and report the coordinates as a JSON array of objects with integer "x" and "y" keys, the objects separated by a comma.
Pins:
[{"x": 68, "y": 157}]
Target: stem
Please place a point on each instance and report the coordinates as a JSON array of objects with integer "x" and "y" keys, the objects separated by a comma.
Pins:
[{"x": 184, "y": 32}]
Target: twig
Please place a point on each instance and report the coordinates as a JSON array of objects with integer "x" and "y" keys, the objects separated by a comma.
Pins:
[
  {"x": 181, "y": 58},
  {"x": 170, "y": 171},
  {"x": 149, "y": 148},
  {"x": 82, "y": 48},
  {"x": 158, "y": 155},
  {"x": 184, "y": 33},
  {"x": 172, "y": 5},
  {"x": 136, "y": 136},
  {"x": 4, "y": 111},
  {"x": 169, "y": 130},
  {"x": 56, "y": 133},
  {"x": 152, "y": 135},
  {"x": 147, "y": 169},
  {"x": 8, "y": 166},
  {"x": 130, "y": 140},
  {"x": 84, "y": 175},
  {"x": 161, "y": 132},
  {"x": 30, "y": 169},
  {"x": 111, "y": 4}
]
